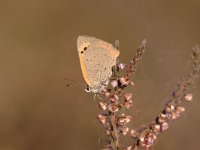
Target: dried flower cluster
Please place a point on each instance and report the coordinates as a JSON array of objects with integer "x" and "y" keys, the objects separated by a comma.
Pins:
[
  {"x": 115, "y": 100},
  {"x": 147, "y": 135}
]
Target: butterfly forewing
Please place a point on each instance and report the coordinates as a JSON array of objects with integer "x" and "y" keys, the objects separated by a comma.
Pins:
[{"x": 97, "y": 58}]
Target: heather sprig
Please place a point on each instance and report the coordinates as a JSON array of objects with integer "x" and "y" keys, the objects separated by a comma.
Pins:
[{"x": 115, "y": 100}]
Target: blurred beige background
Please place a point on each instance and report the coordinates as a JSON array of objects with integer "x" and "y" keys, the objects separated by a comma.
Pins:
[{"x": 38, "y": 49}]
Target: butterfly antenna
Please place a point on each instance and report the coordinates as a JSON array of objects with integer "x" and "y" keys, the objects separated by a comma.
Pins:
[
  {"x": 73, "y": 82},
  {"x": 117, "y": 44}
]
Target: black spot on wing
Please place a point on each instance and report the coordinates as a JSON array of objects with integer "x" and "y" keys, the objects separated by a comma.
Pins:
[{"x": 85, "y": 48}]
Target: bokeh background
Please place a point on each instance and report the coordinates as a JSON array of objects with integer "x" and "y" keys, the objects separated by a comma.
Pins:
[{"x": 38, "y": 49}]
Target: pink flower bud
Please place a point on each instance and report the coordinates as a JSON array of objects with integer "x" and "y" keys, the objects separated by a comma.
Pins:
[
  {"x": 121, "y": 66},
  {"x": 113, "y": 98},
  {"x": 102, "y": 118},
  {"x": 128, "y": 103},
  {"x": 129, "y": 148},
  {"x": 133, "y": 133},
  {"x": 169, "y": 108},
  {"x": 128, "y": 96},
  {"x": 103, "y": 106},
  {"x": 155, "y": 128},
  {"x": 188, "y": 97},
  {"x": 180, "y": 109},
  {"x": 125, "y": 131},
  {"x": 114, "y": 83},
  {"x": 164, "y": 126},
  {"x": 113, "y": 108},
  {"x": 124, "y": 120}
]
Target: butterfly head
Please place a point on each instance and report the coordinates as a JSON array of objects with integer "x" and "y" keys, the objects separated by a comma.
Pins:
[{"x": 96, "y": 88}]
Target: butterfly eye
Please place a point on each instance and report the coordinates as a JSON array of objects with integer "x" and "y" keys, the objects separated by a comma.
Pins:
[{"x": 87, "y": 89}]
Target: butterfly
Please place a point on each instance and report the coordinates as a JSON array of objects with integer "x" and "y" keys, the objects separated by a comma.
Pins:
[{"x": 97, "y": 58}]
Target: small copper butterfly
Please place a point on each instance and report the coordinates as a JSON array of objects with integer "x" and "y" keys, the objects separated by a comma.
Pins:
[{"x": 97, "y": 58}]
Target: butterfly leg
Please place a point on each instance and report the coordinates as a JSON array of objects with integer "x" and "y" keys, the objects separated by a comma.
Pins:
[
  {"x": 97, "y": 97},
  {"x": 115, "y": 70}
]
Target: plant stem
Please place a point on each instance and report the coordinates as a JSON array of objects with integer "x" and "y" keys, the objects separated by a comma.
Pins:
[{"x": 114, "y": 134}]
